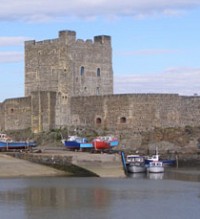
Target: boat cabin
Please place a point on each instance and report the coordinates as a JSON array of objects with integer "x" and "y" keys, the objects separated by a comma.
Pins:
[{"x": 134, "y": 158}]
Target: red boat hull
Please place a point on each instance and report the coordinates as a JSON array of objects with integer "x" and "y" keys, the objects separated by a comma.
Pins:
[{"x": 100, "y": 145}]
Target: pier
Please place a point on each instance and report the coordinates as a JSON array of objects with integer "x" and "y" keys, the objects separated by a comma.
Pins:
[{"x": 62, "y": 162}]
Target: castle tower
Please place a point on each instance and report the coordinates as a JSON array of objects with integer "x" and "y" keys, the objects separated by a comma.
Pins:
[{"x": 68, "y": 66}]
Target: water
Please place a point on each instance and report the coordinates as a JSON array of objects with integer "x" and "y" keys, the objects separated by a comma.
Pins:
[{"x": 138, "y": 196}]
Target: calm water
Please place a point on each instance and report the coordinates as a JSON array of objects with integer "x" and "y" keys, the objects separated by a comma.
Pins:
[{"x": 139, "y": 196}]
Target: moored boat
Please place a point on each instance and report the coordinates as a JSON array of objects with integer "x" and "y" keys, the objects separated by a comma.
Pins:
[
  {"x": 156, "y": 157},
  {"x": 155, "y": 167},
  {"x": 152, "y": 158},
  {"x": 76, "y": 143},
  {"x": 7, "y": 142},
  {"x": 135, "y": 164}
]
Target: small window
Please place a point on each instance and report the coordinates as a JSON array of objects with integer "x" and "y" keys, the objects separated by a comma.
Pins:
[
  {"x": 82, "y": 70},
  {"x": 85, "y": 89},
  {"x": 123, "y": 120},
  {"x": 98, "y": 72},
  {"x": 12, "y": 110},
  {"x": 98, "y": 121}
]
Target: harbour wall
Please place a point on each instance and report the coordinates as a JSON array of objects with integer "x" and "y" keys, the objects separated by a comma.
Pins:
[{"x": 77, "y": 163}]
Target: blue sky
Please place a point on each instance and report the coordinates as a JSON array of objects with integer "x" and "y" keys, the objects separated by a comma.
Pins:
[{"x": 155, "y": 43}]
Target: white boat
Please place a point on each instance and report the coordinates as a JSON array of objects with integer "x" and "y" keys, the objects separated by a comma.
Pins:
[
  {"x": 135, "y": 164},
  {"x": 156, "y": 157},
  {"x": 155, "y": 167}
]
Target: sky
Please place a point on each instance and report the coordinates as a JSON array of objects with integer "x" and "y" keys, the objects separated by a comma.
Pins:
[{"x": 155, "y": 43}]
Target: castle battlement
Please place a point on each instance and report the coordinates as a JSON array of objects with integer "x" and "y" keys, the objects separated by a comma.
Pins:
[{"x": 69, "y": 37}]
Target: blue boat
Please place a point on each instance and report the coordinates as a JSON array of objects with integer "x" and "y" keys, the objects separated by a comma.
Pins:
[
  {"x": 156, "y": 158},
  {"x": 76, "y": 143},
  {"x": 7, "y": 143}
]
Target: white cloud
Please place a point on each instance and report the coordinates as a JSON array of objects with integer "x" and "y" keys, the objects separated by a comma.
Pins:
[
  {"x": 42, "y": 10},
  {"x": 12, "y": 41},
  {"x": 11, "y": 56},
  {"x": 146, "y": 52},
  {"x": 183, "y": 81}
]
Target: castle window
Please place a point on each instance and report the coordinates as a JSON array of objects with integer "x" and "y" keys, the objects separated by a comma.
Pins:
[
  {"x": 123, "y": 120},
  {"x": 98, "y": 120},
  {"x": 98, "y": 72},
  {"x": 12, "y": 110},
  {"x": 85, "y": 89},
  {"x": 82, "y": 70}
]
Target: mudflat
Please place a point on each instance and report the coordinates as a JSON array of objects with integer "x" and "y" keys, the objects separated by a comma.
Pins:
[{"x": 13, "y": 167}]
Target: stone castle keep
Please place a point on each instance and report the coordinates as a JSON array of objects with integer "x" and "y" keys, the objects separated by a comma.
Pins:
[{"x": 69, "y": 82}]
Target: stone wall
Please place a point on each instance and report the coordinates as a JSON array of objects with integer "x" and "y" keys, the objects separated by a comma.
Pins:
[
  {"x": 43, "y": 111},
  {"x": 129, "y": 116},
  {"x": 2, "y": 120},
  {"x": 138, "y": 112},
  {"x": 16, "y": 114}
]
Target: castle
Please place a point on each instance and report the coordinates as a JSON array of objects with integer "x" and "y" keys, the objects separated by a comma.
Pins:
[{"x": 69, "y": 81}]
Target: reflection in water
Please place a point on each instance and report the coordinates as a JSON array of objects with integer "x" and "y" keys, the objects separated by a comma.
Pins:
[
  {"x": 155, "y": 176},
  {"x": 46, "y": 196},
  {"x": 67, "y": 197},
  {"x": 183, "y": 174},
  {"x": 137, "y": 175}
]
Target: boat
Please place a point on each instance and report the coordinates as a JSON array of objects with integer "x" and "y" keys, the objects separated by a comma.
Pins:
[
  {"x": 7, "y": 142},
  {"x": 76, "y": 143},
  {"x": 156, "y": 157},
  {"x": 135, "y": 164},
  {"x": 152, "y": 158},
  {"x": 155, "y": 167},
  {"x": 105, "y": 142}
]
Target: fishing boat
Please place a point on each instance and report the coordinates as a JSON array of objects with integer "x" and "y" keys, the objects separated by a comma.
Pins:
[
  {"x": 105, "y": 142},
  {"x": 156, "y": 157},
  {"x": 135, "y": 164},
  {"x": 155, "y": 167},
  {"x": 7, "y": 142},
  {"x": 152, "y": 158},
  {"x": 76, "y": 143}
]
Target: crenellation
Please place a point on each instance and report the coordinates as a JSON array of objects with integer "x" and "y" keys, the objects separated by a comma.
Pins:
[
  {"x": 103, "y": 39},
  {"x": 80, "y": 41},
  {"x": 29, "y": 42},
  {"x": 89, "y": 41}
]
